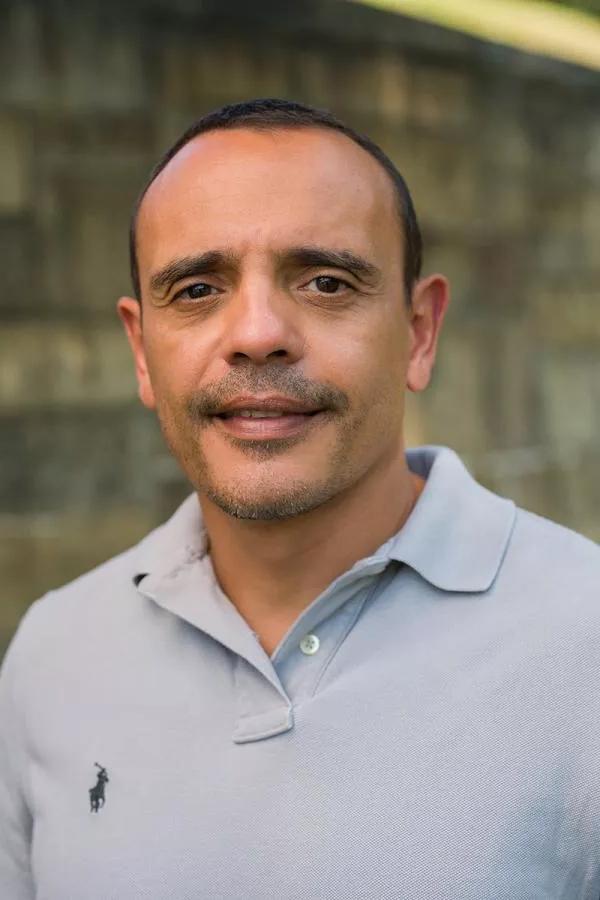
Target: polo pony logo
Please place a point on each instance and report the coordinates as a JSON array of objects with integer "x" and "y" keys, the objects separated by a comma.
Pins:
[{"x": 97, "y": 792}]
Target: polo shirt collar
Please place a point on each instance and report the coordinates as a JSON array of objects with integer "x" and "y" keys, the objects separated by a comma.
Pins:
[
  {"x": 458, "y": 532},
  {"x": 175, "y": 543},
  {"x": 455, "y": 537}
]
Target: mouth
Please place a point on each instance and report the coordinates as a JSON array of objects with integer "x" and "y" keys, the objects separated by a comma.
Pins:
[{"x": 267, "y": 424}]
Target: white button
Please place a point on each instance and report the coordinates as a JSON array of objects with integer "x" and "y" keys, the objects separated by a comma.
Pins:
[{"x": 310, "y": 644}]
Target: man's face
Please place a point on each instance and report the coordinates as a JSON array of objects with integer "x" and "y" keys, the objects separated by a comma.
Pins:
[{"x": 271, "y": 267}]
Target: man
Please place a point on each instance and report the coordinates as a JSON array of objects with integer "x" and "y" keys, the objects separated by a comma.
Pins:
[{"x": 341, "y": 669}]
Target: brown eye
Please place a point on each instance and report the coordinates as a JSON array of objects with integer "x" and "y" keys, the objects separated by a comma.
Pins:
[
  {"x": 327, "y": 284},
  {"x": 196, "y": 291}
]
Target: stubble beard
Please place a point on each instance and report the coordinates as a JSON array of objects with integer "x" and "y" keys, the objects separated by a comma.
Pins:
[{"x": 266, "y": 498}]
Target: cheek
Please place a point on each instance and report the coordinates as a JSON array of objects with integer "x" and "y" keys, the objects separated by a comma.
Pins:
[
  {"x": 376, "y": 361},
  {"x": 385, "y": 382},
  {"x": 394, "y": 351},
  {"x": 175, "y": 365}
]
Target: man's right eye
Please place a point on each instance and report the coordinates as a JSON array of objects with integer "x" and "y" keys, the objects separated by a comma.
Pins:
[{"x": 196, "y": 291}]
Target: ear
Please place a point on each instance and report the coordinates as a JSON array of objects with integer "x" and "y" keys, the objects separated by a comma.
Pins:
[
  {"x": 130, "y": 313},
  {"x": 430, "y": 300}
]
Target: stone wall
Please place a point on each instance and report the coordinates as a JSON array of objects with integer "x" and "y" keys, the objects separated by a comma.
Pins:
[{"x": 501, "y": 150}]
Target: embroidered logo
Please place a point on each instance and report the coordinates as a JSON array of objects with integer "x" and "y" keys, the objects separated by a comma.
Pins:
[{"x": 97, "y": 792}]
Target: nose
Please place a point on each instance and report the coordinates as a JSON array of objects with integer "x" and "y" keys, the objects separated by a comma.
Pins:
[{"x": 262, "y": 324}]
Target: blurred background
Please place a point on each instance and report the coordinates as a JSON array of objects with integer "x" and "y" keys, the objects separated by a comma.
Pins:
[{"x": 491, "y": 111}]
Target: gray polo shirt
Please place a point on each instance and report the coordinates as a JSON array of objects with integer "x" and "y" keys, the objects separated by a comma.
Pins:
[{"x": 428, "y": 728}]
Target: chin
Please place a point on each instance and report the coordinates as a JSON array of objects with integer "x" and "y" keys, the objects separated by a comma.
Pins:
[{"x": 294, "y": 499}]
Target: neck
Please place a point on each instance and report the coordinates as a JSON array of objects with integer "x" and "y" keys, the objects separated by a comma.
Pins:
[{"x": 272, "y": 570}]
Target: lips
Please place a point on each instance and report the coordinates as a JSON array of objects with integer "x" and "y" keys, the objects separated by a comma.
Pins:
[
  {"x": 268, "y": 417},
  {"x": 267, "y": 406},
  {"x": 262, "y": 414},
  {"x": 269, "y": 427}
]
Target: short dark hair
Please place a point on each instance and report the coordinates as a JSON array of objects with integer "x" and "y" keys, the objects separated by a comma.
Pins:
[{"x": 271, "y": 114}]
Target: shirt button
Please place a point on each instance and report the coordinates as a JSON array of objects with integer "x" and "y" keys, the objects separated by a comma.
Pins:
[{"x": 310, "y": 644}]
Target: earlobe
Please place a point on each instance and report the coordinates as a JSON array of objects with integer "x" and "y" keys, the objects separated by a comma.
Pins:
[
  {"x": 130, "y": 313},
  {"x": 430, "y": 301}
]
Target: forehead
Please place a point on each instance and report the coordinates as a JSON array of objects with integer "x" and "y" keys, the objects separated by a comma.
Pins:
[{"x": 249, "y": 189}]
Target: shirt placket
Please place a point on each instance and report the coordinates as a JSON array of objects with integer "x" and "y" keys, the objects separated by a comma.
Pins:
[
  {"x": 304, "y": 654},
  {"x": 266, "y": 689}
]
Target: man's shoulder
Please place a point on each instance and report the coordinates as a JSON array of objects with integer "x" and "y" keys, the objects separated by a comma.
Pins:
[
  {"x": 548, "y": 550},
  {"x": 550, "y": 536},
  {"x": 97, "y": 598}
]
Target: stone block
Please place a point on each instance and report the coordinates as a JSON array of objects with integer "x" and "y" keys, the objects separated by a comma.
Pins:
[
  {"x": 540, "y": 110},
  {"x": 502, "y": 130},
  {"x": 98, "y": 63},
  {"x": 68, "y": 140},
  {"x": 375, "y": 85},
  {"x": 591, "y": 157},
  {"x": 569, "y": 393},
  {"x": 566, "y": 315},
  {"x": 579, "y": 478},
  {"x": 457, "y": 260},
  {"x": 24, "y": 76},
  {"x": 443, "y": 178},
  {"x": 78, "y": 459},
  {"x": 557, "y": 254},
  {"x": 316, "y": 76},
  {"x": 23, "y": 291},
  {"x": 441, "y": 96},
  {"x": 454, "y": 404},
  {"x": 558, "y": 482},
  {"x": 60, "y": 364},
  {"x": 483, "y": 396},
  {"x": 590, "y": 224},
  {"x": 510, "y": 383},
  {"x": 501, "y": 265},
  {"x": 82, "y": 57},
  {"x": 563, "y": 228},
  {"x": 15, "y": 163},
  {"x": 392, "y": 86},
  {"x": 84, "y": 225},
  {"x": 509, "y": 205},
  {"x": 540, "y": 490},
  {"x": 228, "y": 69}
]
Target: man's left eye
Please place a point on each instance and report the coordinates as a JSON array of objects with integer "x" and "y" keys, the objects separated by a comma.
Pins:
[
  {"x": 196, "y": 291},
  {"x": 327, "y": 284}
]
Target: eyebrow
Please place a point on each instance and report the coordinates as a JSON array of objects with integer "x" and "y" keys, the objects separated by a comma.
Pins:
[
  {"x": 307, "y": 257},
  {"x": 189, "y": 266},
  {"x": 311, "y": 256}
]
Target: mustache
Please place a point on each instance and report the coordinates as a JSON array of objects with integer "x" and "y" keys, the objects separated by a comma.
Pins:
[{"x": 269, "y": 379}]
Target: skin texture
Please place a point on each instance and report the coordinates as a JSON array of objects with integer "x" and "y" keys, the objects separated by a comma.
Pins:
[{"x": 284, "y": 516}]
